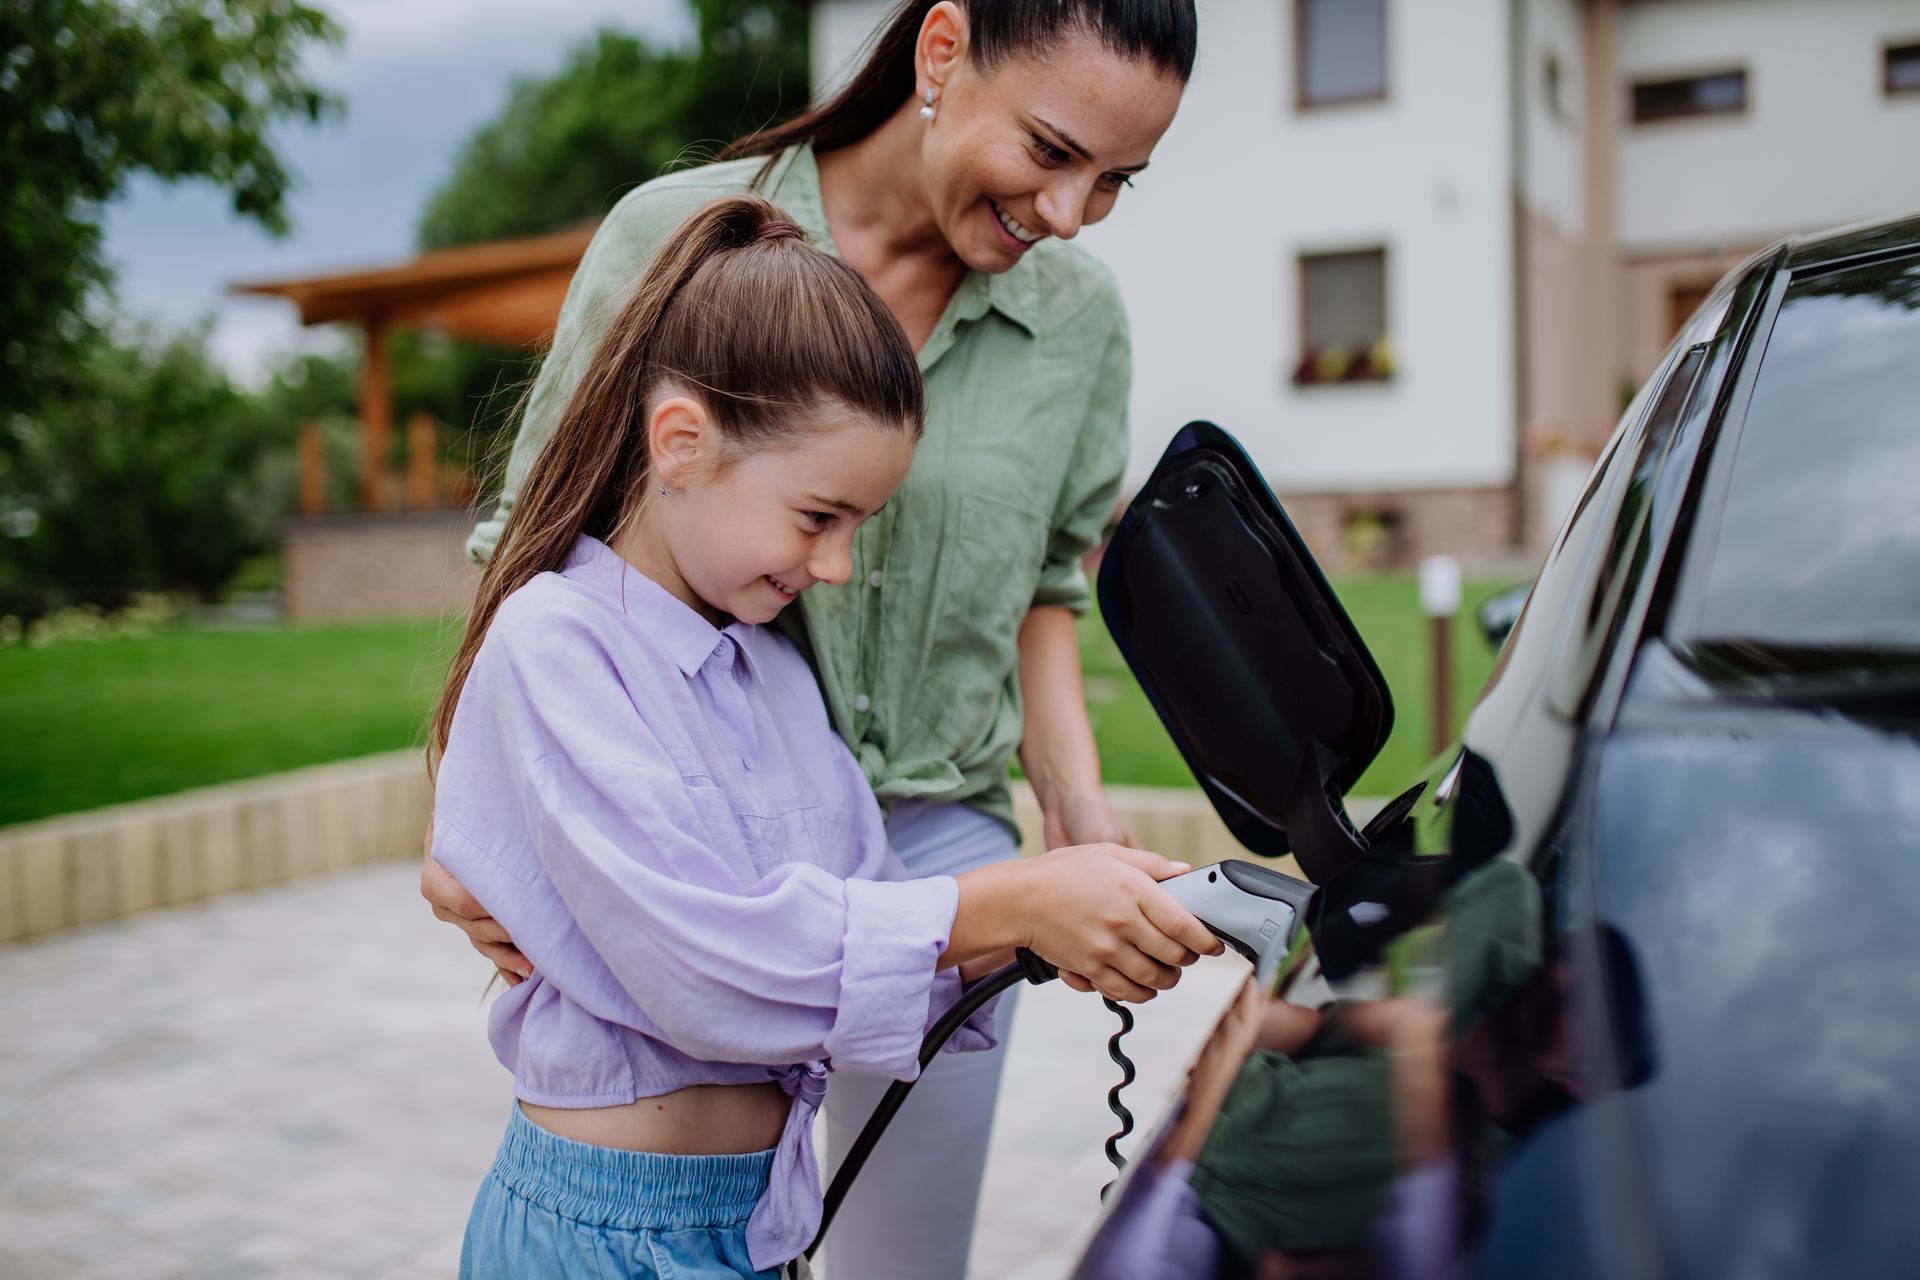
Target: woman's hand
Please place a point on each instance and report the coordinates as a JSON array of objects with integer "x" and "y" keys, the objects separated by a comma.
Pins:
[
  {"x": 453, "y": 904},
  {"x": 1057, "y": 749},
  {"x": 1084, "y": 817},
  {"x": 1096, "y": 912}
]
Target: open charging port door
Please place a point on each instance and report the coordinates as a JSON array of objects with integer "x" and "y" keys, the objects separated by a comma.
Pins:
[{"x": 1245, "y": 652}]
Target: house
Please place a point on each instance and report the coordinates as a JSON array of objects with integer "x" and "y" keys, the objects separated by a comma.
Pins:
[{"x": 1416, "y": 253}]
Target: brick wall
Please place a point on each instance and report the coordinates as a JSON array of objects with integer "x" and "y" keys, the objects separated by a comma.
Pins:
[{"x": 377, "y": 565}]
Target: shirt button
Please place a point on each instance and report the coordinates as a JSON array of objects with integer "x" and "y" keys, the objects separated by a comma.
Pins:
[
  {"x": 861, "y": 702},
  {"x": 873, "y": 579}
]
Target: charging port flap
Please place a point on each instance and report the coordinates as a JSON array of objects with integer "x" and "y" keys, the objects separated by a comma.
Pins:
[{"x": 1245, "y": 652}]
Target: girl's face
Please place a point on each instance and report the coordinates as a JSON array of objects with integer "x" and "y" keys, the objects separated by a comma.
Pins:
[
  {"x": 743, "y": 536},
  {"x": 1040, "y": 148}
]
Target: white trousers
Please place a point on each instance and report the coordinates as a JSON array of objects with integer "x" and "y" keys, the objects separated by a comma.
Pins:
[{"x": 911, "y": 1211}]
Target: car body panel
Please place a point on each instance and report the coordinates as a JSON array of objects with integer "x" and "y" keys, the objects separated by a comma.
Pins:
[
  {"x": 1692, "y": 1047},
  {"x": 1761, "y": 863}
]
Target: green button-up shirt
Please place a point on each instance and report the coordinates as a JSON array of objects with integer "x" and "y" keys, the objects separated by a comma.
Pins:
[{"x": 1027, "y": 377}]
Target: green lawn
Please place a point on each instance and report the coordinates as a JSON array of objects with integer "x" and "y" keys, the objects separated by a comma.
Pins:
[
  {"x": 1134, "y": 748},
  {"x": 83, "y": 725}
]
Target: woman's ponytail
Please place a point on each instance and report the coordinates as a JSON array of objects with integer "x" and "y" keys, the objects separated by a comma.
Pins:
[
  {"x": 737, "y": 307},
  {"x": 1164, "y": 33},
  {"x": 884, "y": 81}
]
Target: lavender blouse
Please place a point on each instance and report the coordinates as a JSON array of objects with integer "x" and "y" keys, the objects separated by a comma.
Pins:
[{"x": 662, "y": 816}]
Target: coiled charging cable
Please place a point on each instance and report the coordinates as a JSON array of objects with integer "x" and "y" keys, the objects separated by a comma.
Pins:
[{"x": 1118, "y": 1161}]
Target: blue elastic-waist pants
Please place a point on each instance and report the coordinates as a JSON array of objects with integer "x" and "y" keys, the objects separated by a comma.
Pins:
[{"x": 555, "y": 1209}]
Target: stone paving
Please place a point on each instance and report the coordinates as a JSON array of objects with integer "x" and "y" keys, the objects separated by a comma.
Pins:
[{"x": 294, "y": 1082}]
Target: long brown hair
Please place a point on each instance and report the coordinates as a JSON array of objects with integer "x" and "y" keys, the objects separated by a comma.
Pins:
[
  {"x": 1165, "y": 33},
  {"x": 737, "y": 308}
]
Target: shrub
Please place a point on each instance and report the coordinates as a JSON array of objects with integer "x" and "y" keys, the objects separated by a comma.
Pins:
[{"x": 146, "y": 477}]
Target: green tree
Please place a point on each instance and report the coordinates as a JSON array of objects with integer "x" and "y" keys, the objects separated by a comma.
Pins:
[
  {"x": 146, "y": 477},
  {"x": 619, "y": 111},
  {"x": 94, "y": 91},
  {"x": 322, "y": 387}
]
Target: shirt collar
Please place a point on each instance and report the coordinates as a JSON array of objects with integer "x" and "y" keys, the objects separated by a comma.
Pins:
[
  {"x": 668, "y": 621},
  {"x": 793, "y": 183}
]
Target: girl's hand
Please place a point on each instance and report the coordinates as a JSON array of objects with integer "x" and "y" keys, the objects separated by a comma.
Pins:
[
  {"x": 452, "y": 903},
  {"x": 1096, "y": 912},
  {"x": 1085, "y": 817}
]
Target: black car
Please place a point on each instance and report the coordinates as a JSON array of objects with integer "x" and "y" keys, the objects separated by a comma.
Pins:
[{"x": 1629, "y": 985}]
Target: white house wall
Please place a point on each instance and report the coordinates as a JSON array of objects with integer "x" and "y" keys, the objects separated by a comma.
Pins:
[
  {"x": 838, "y": 30},
  {"x": 1205, "y": 248},
  {"x": 1818, "y": 145},
  {"x": 1556, "y": 184}
]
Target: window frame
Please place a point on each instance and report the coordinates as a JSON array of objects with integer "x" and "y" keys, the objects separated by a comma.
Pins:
[
  {"x": 1686, "y": 620},
  {"x": 1301, "y": 262},
  {"x": 1888, "y": 51},
  {"x": 1638, "y": 118},
  {"x": 1303, "y": 101},
  {"x": 1553, "y": 85}
]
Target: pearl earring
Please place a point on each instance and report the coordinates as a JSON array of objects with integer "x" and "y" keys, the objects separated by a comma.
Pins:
[{"x": 926, "y": 112}]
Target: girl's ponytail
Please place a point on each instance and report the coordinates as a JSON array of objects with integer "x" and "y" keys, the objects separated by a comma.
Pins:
[{"x": 737, "y": 307}]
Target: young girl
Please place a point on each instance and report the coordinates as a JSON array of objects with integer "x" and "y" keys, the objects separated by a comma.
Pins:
[{"x": 640, "y": 781}]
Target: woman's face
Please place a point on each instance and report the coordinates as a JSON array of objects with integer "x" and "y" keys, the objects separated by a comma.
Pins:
[{"x": 1042, "y": 147}]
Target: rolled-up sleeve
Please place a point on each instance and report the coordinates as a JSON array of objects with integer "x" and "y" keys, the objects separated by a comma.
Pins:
[
  {"x": 880, "y": 862},
  {"x": 1099, "y": 462},
  {"x": 630, "y": 899}
]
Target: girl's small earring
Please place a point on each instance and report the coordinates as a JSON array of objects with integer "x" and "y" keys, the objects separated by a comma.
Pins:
[
  {"x": 665, "y": 492},
  {"x": 926, "y": 112}
]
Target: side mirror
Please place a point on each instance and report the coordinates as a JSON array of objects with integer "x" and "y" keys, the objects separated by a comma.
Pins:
[{"x": 1500, "y": 612}]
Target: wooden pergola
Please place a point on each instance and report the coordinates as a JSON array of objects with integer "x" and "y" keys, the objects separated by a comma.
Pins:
[{"x": 505, "y": 292}]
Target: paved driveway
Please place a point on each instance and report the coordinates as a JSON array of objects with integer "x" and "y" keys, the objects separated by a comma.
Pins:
[{"x": 295, "y": 1082}]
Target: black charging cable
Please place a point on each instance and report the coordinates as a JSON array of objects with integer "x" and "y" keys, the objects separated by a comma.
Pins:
[
  {"x": 1026, "y": 967},
  {"x": 1118, "y": 1161}
]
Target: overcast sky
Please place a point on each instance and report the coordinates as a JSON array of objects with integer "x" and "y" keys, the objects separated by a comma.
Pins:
[{"x": 418, "y": 76}]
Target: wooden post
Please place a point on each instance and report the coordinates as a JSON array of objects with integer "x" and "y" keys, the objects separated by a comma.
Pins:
[
  {"x": 423, "y": 460},
  {"x": 1440, "y": 600},
  {"x": 313, "y": 469},
  {"x": 376, "y": 415},
  {"x": 1442, "y": 683}
]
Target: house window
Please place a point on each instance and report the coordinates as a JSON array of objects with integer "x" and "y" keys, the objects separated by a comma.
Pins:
[
  {"x": 1553, "y": 86},
  {"x": 1719, "y": 93},
  {"x": 1340, "y": 51},
  {"x": 1901, "y": 69},
  {"x": 1343, "y": 318}
]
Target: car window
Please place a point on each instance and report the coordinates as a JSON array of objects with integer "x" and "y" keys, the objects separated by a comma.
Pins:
[
  {"x": 1666, "y": 415},
  {"x": 1530, "y": 645},
  {"x": 1595, "y": 594},
  {"x": 1817, "y": 546}
]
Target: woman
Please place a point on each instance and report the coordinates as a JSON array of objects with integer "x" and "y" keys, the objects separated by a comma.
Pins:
[{"x": 973, "y": 142}]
